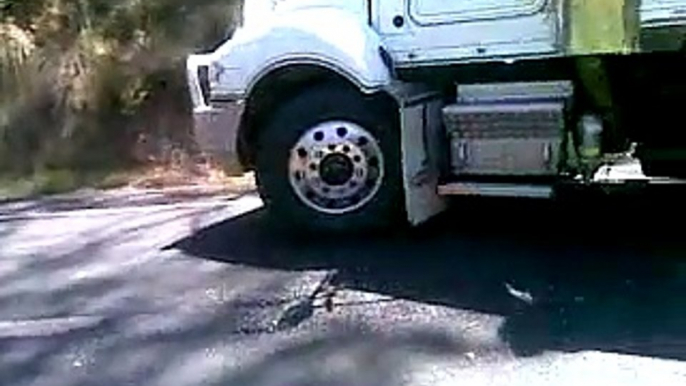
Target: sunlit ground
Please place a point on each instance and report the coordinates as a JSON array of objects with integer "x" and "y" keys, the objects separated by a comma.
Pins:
[{"x": 136, "y": 289}]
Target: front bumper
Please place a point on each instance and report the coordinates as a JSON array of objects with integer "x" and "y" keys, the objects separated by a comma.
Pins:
[
  {"x": 216, "y": 132},
  {"x": 215, "y": 124}
]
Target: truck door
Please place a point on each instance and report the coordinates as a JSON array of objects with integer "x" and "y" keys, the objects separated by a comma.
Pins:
[{"x": 427, "y": 31}]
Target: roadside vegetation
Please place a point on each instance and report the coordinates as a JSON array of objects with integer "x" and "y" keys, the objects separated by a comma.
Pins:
[{"x": 91, "y": 89}]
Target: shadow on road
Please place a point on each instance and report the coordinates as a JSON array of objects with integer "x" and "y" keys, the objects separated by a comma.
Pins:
[{"x": 586, "y": 276}]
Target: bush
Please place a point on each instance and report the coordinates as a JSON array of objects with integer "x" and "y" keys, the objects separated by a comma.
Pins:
[{"x": 82, "y": 80}]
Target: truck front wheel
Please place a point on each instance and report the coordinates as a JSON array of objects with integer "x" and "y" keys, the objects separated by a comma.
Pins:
[{"x": 330, "y": 160}]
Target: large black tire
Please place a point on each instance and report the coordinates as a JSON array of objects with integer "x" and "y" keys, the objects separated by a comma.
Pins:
[{"x": 281, "y": 133}]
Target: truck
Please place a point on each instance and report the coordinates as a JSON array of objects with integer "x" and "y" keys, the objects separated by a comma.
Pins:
[{"x": 365, "y": 114}]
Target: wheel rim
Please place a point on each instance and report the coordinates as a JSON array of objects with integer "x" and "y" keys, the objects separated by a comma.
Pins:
[{"x": 336, "y": 167}]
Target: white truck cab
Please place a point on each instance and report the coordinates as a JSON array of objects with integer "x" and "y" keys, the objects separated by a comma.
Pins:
[{"x": 360, "y": 113}]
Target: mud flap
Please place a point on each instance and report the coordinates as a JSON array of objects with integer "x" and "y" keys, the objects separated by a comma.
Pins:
[{"x": 422, "y": 141}]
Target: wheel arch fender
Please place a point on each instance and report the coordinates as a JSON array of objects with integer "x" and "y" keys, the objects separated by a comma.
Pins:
[
  {"x": 303, "y": 49},
  {"x": 332, "y": 38}
]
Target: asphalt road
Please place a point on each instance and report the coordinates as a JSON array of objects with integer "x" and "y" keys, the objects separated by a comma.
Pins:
[{"x": 144, "y": 289}]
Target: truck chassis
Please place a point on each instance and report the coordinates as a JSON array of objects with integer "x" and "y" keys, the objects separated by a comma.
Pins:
[{"x": 357, "y": 116}]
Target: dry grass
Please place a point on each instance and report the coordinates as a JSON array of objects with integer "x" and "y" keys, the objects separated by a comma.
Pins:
[
  {"x": 201, "y": 180},
  {"x": 202, "y": 176}
]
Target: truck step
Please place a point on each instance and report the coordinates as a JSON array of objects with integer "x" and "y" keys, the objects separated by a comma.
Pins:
[{"x": 490, "y": 189}]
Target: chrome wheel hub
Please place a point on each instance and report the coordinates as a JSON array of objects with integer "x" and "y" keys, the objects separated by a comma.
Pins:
[{"x": 336, "y": 167}]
